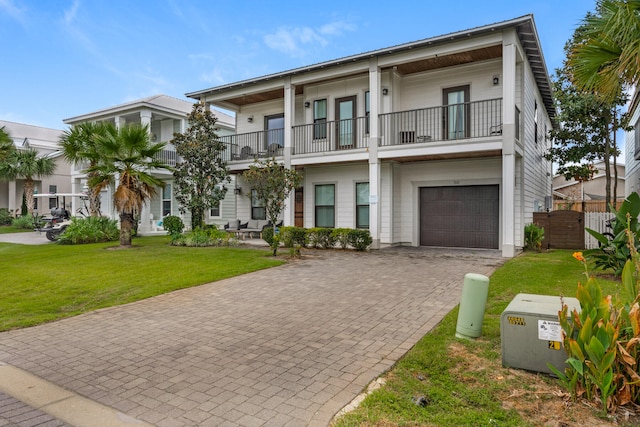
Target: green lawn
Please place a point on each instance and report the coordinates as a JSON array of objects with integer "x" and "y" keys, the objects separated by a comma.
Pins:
[
  {"x": 6, "y": 229},
  {"x": 463, "y": 380},
  {"x": 49, "y": 282}
]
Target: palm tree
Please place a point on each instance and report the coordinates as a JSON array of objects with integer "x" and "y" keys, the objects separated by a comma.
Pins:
[
  {"x": 127, "y": 154},
  {"x": 6, "y": 144},
  {"x": 609, "y": 54},
  {"x": 27, "y": 165},
  {"x": 79, "y": 145}
]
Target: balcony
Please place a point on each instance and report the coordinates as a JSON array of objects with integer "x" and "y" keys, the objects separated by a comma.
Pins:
[
  {"x": 449, "y": 122},
  {"x": 248, "y": 146},
  {"x": 169, "y": 157},
  {"x": 338, "y": 135}
]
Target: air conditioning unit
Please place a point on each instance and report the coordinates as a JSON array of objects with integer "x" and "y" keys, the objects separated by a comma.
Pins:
[{"x": 531, "y": 334}]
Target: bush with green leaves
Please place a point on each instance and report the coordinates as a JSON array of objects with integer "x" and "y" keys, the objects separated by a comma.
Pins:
[
  {"x": 5, "y": 217},
  {"x": 341, "y": 236},
  {"x": 267, "y": 235},
  {"x": 92, "y": 229},
  {"x": 320, "y": 237},
  {"x": 613, "y": 254},
  {"x": 24, "y": 222},
  {"x": 360, "y": 239},
  {"x": 205, "y": 236},
  {"x": 294, "y": 236},
  {"x": 174, "y": 225},
  {"x": 533, "y": 237}
]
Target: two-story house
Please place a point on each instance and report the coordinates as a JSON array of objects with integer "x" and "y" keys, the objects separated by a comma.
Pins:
[
  {"x": 436, "y": 142},
  {"x": 165, "y": 116},
  {"x": 632, "y": 146},
  {"x": 45, "y": 141}
]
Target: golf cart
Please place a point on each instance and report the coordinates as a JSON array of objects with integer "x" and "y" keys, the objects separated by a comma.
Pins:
[{"x": 60, "y": 217}]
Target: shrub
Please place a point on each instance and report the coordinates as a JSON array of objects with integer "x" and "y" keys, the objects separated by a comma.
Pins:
[
  {"x": 294, "y": 236},
  {"x": 360, "y": 239},
  {"x": 206, "y": 236},
  {"x": 174, "y": 226},
  {"x": 24, "y": 222},
  {"x": 321, "y": 237},
  {"x": 533, "y": 237},
  {"x": 267, "y": 235},
  {"x": 5, "y": 217},
  {"x": 341, "y": 236},
  {"x": 614, "y": 253},
  {"x": 90, "y": 230}
]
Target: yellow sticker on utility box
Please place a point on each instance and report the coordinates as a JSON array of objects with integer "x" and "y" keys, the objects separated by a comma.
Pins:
[
  {"x": 549, "y": 330},
  {"x": 555, "y": 345}
]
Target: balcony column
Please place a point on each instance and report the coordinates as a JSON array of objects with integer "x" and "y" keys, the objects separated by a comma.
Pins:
[
  {"x": 508, "y": 144},
  {"x": 289, "y": 120},
  {"x": 374, "y": 162},
  {"x": 13, "y": 204},
  {"x": 145, "y": 214}
]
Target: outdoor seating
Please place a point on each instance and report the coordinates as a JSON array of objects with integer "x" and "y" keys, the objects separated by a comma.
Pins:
[{"x": 250, "y": 227}]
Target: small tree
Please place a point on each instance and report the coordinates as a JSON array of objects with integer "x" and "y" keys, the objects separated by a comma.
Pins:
[
  {"x": 272, "y": 183},
  {"x": 6, "y": 144},
  {"x": 201, "y": 168},
  {"x": 28, "y": 165}
]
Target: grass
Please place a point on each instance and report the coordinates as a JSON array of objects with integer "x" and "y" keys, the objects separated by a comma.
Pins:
[
  {"x": 463, "y": 381},
  {"x": 6, "y": 229},
  {"x": 49, "y": 282}
]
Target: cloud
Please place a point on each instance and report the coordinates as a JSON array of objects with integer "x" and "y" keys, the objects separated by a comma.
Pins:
[
  {"x": 294, "y": 40},
  {"x": 70, "y": 14},
  {"x": 200, "y": 57},
  {"x": 214, "y": 77},
  {"x": 15, "y": 12}
]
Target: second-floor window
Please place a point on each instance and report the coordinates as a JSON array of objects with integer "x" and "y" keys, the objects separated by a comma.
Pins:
[
  {"x": 320, "y": 119},
  {"x": 53, "y": 189},
  {"x": 274, "y": 127},
  {"x": 456, "y": 123}
]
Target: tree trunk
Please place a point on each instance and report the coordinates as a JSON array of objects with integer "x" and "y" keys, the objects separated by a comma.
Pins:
[
  {"x": 197, "y": 218},
  {"x": 28, "y": 194},
  {"x": 94, "y": 198},
  {"x": 615, "y": 160},
  {"x": 126, "y": 225},
  {"x": 607, "y": 166}
]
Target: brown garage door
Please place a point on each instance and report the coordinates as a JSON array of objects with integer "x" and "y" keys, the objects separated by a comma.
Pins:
[{"x": 464, "y": 216}]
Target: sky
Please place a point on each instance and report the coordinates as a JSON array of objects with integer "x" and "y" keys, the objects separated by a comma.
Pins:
[{"x": 63, "y": 58}]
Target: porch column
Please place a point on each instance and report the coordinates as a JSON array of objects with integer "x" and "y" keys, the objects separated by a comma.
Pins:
[
  {"x": 508, "y": 143},
  {"x": 374, "y": 161},
  {"x": 145, "y": 214},
  {"x": 289, "y": 120},
  {"x": 12, "y": 196}
]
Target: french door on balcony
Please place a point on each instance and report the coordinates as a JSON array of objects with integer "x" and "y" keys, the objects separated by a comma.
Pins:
[
  {"x": 345, "y": 122},
  {"x": 456, "y": 112},
  {"x": 274, "y": 127}
]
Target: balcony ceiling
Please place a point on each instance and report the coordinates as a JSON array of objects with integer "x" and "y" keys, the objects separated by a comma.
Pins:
[{"x": 451, "y": 60}]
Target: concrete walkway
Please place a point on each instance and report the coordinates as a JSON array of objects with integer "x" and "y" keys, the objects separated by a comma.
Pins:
[
  {"x": 26, "y": 238},
  {"x": 288, "y": 346}
]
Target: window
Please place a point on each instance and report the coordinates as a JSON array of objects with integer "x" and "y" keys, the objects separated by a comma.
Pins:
[
  {"x": 53, "y": 189},
  {"x": 166, "y": 200},
  {"x": 636, "y": 129},
  {"x": 215, "y": 210},
  {"x": 325, "y": 205},
  {"x": 362, "y": 205},
  {"x": 367, "y": 110},
  {"x": 53, "y": 202},
  {"x": 320, "y": 119},
  {"x": 535, "y": 121},
  {"x": 457, "y": 114},
  {"x": 257, "y": 207},
  {"x": 274, "y": 127}
]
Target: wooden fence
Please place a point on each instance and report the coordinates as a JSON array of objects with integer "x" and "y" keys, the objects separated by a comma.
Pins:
[
  {"x": 563, "y": 229},
  {"x": 589, "y": 205}
]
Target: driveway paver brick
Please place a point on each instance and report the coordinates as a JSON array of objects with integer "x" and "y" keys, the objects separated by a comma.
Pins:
[{"x": 289, "y": 345}]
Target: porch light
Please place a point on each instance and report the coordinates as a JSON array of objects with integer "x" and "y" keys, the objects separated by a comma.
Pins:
[
  {"x": 307, "y": 104},
  {"x": 496, "y": 80},
  {"x": 250, "y": 119},
  {"x": 385, "y": 91},
  {"x": 237, "y": 191}
]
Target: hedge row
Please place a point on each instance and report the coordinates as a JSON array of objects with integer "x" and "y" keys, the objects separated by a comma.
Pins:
[{"x": 325, "y": 238}]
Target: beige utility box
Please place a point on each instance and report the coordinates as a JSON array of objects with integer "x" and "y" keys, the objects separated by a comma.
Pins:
[{"x": 531, "y": 333}]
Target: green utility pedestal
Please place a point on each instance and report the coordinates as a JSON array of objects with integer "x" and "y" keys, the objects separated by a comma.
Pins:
[{"x": 472, "y": 305}]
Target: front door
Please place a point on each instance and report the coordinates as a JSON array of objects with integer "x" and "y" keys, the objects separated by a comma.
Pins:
[
  {"x": 299, "y": 207},
  {"x": 345, "y": 122},
  {"x": 456, "y": 112},
  {"x": 274, "y": 127}
]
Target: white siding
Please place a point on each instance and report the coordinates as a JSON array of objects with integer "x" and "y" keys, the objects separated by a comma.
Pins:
[
  {"x": 537, "y": 170},
  {"x": 344, "y": 178},
  {"x": 632, "y": 180}
]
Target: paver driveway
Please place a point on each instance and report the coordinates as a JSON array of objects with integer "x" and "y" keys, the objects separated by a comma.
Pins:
[{"x": 286, "y": 346}]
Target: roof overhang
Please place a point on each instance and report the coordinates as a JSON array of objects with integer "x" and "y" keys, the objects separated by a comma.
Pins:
[{"x": 524, "y": 26}]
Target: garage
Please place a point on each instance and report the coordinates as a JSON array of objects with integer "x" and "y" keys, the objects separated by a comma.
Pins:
[{"x": 460, "y": 216}]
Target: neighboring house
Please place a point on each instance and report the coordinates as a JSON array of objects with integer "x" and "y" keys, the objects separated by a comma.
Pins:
[
  {"x": 45, "y": 141},
  {"x": 437, "y": 142},
  {"x": 165, "y": 116},
  {"x": 594, "y": 189},
  {"x": 632, "y": 146}
]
